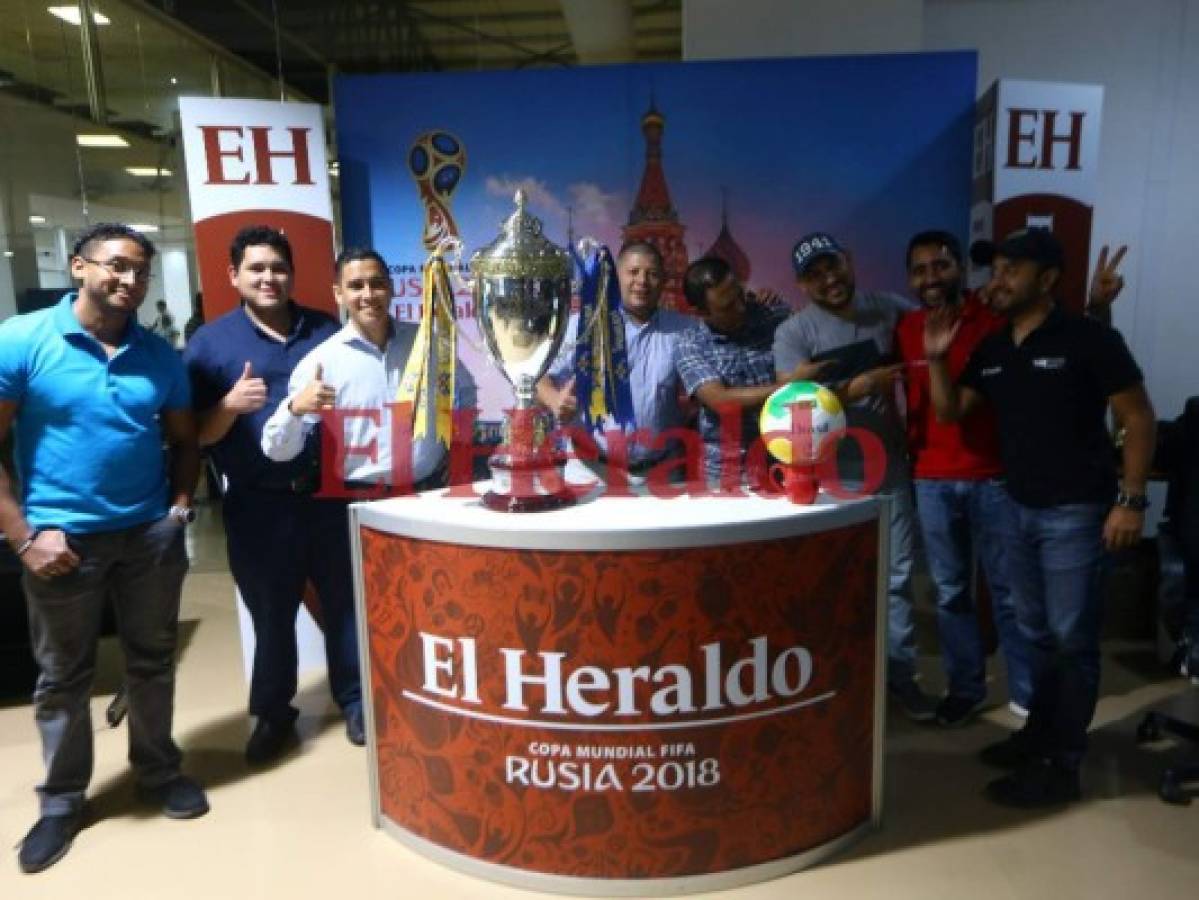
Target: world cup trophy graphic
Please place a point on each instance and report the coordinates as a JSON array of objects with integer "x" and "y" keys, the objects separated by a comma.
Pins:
[{"x": 437, "y": 160}]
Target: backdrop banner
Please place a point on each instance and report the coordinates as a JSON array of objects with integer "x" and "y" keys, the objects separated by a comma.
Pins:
[
  {"x": 261, "y": 162},
  {"x": 1036, "y": 165},
  {"x": 737, "y": 159},
  {"x": 258, "y": 162}
]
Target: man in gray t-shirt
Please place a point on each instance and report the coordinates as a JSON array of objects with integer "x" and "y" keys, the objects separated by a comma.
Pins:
[
  {"x": 861, "y": 324},
  {"x": 869, "y": 397}
]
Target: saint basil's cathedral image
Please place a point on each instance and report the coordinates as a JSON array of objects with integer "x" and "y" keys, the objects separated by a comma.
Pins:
[{"x": 653, "y": 218}]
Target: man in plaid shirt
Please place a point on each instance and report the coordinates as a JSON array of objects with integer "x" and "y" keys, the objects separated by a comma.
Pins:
[{"x": 727, "y": 362}]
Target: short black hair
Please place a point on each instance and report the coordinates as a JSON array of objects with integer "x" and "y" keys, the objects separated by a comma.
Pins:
[
  {"x": 934, "y": 238},
  {"x": 109, "y": 231},
  {"x": 258, "y": 236},
  {"x": 701, "y": 275},
  {"x": 646, "y": 247},
  {"x": 358, "y": 254}
]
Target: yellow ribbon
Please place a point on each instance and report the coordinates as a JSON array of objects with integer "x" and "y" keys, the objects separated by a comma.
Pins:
[
  {"x": 437, "y": 333},
  {"x": 601, "y": 349}
]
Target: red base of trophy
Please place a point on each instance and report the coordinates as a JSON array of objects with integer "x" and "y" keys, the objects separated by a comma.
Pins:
[
  {"x": 526, "y": 475},
  {"x": 524, "y": 485}
]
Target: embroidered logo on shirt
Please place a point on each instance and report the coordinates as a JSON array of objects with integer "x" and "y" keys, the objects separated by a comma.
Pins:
[
  {"x": 990, "y": 370},
  {"x": 1049, "y": 362}
]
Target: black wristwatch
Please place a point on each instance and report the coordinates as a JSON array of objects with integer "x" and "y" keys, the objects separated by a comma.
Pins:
[{"x": 1135, "y": 502}]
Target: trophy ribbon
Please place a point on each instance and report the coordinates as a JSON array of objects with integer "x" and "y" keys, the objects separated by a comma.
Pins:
[
  {"x": 438, "y": 333},
  {"x": 601, "y": 357}
]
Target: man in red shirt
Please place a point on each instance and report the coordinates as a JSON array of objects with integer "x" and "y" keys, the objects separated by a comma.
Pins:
[{"x": 961, "y": 502}]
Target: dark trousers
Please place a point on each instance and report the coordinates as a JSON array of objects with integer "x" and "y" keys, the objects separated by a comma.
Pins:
[
  {"x": 277, "y": 543},
  {"x": 141, "y": 568}
]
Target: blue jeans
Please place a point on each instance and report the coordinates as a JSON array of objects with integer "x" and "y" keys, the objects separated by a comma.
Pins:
[
  {"x": 1057, "y": 567},
  {"x": 278, "y": 542},
  {"x": 901, "y": 630},
  {"x": 959, "y": 519},
  {"x": 141, "y": 569}
]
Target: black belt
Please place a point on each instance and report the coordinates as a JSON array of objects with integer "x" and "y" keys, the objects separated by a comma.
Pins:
[
  {"x": 437, "y": 479},
  {"x": 302, "y": 487}
]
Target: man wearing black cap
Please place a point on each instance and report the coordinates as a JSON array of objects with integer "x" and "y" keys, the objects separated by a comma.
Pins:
[
  {"x": 855, "y": 330},
  {"x": 1050, "y": 378}
]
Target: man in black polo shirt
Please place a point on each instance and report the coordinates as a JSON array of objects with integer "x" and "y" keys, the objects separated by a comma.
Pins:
[{"x": 1050, "y": 377}]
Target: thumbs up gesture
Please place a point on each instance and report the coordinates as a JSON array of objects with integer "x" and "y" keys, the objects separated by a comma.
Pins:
[
  {"x": 561, "y": 401},
  {"x": 247, "y": 395},
  {"x": 315, "y": 396}
]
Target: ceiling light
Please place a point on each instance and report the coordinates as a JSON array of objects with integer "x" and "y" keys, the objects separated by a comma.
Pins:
[
  {"x": 101, "y": 140},
  {"x": 71, "y": 14},
  {"x": 174, "y": 80},
  {"x": 37, "y": 220},
  {"x": 148, "y": 171},
  {"x": 143, "y": 227}
]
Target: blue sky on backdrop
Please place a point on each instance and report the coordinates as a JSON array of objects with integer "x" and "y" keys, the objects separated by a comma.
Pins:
[{"x": 870, "y": 148}]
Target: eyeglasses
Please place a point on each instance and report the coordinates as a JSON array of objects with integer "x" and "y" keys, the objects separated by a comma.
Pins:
[{"x": 119, "y": 267}]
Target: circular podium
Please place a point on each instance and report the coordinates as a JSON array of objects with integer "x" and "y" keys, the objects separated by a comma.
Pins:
[{"x": 628, "y": 696}]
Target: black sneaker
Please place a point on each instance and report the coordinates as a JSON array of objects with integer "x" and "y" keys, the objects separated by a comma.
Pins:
[
  {"x": 916, "y": 705},
  {"x": 48, "y": 841},
  {"x": 269, "y": 741},
  {"x": 1039, "y": 783},
  {"x": 355, "y": 725},
  {"x": 954, "y": 711},
  {"x": 180, "y": 798},
  {"x": 1012, "y": 752}
]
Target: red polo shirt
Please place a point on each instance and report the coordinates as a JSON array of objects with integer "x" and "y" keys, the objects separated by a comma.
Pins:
[{"x": 967, "y": 450}]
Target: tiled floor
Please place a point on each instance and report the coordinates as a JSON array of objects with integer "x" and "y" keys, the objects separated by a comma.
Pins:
[{"x": 302, "y": 829}]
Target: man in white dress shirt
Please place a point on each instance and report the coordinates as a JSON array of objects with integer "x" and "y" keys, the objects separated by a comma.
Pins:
[{"x": 357, "y": 373}]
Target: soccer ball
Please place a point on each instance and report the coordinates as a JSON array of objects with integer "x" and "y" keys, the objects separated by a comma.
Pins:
[{"x": 827, "y": 419}]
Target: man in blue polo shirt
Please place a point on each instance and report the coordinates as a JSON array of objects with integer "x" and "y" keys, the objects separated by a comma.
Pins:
[
  {"x": 91, "y": 397},
  {"x": 279, "y": 536}
]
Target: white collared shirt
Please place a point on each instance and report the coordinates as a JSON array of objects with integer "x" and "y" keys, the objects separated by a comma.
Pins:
[{"x": 365, "y": 379}]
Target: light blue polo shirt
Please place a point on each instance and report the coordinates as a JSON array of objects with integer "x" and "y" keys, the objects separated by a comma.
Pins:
[
  {"x": 89, "y": 447},
  {"x": 653, "y": 381}
]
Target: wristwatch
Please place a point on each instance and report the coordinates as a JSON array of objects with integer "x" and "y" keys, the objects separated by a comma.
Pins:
[
  {"x": 184, "y": 515},
  {"x": 1136, "y": 502}
]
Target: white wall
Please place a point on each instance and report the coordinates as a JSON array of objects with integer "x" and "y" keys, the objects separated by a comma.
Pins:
[
  {"x": 719, "y": 29},
  {"x": 1145, "y": 54}
]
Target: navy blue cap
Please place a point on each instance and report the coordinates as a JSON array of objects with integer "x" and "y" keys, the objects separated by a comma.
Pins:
[
  {"x": 811, "y": 247},
  {"x": 1036, "y": 244}
]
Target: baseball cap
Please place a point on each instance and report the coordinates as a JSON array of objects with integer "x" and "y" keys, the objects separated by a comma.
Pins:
[
  {"x": 1035, "y": 244},
  {"x": 811, "y": 247}
]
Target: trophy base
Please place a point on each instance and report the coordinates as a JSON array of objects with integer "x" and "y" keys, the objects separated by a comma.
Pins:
[
  {"x": 509, "y": 503},
  {"x": 517, "y": 486}
]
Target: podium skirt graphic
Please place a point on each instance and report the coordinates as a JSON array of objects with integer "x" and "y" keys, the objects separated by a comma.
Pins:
[{"x": 630, "y": 696}]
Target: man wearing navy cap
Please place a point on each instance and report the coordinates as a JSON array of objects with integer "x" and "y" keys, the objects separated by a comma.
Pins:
[
  {"x": 1050, "y": 377},
  {"x": 859, "y": 327}
]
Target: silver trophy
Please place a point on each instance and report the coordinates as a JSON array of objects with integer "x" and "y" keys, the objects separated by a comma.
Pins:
[{"x": 522, "y": 298}]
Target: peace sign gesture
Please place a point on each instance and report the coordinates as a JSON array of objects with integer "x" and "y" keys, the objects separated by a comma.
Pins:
[{"x": 1107, "y": 282}]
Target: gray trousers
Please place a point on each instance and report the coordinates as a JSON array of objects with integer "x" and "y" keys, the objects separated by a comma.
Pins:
[{"x": 141, "y": 568}]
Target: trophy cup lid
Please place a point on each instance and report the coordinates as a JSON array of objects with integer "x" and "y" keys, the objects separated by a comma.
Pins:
[{"x": 521, "y": 250}]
